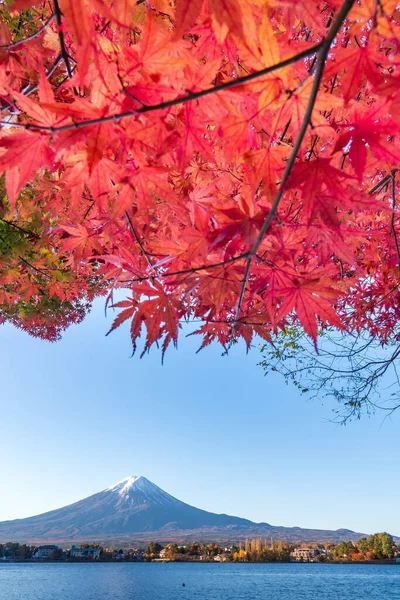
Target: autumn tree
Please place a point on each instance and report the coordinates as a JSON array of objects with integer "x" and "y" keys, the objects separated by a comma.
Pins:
[
  {"x": 363, "y": 547},
  {"x": 154, "y": 549},
  {"x": 257, "y": 551},
  {"x": 381, "y": 545},
  {"x": 40, "y": 293},
  {"x": 344, "y": 550},
  {"x": 377, "y": 546},
  {"x": 240, "y": 555},
  {"x": 253, "y": 548},
  {"x": 229, "y": 162}
]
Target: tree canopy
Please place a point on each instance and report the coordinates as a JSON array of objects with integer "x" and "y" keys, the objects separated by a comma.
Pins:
[{"x": 230, "y": 162}]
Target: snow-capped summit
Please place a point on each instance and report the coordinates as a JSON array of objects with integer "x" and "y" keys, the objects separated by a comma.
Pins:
[
  {"x": 137, "y": 489},
  {"x": 124, "y": 484},
  {"x": 137, "y": 509}
]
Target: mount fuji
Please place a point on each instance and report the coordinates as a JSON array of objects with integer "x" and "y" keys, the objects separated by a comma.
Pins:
[{"x": 137, "y": 510}]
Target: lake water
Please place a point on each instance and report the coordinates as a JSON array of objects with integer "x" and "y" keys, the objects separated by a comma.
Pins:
[{"x": 163, "y": 581}]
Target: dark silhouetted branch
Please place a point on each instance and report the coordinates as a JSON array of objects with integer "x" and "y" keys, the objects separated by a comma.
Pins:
[
  {"x": 180, "y": 99},
  {"x": 321, "y": 60},
  {"x": 61, "y": 37}
]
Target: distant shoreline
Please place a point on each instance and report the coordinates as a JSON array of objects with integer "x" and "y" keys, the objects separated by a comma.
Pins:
[{"x": 196, "y": 562}]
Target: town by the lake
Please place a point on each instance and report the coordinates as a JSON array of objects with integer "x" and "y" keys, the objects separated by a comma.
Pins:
[{"x": 377, "y": 548}]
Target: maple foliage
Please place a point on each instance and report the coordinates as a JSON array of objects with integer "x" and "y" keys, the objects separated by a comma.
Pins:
[
  {"x": 40, "y": 293},
  {"x": 231, "y": 162}
]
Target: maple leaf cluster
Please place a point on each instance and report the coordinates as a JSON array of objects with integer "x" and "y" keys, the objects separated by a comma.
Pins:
[
  {"x": 231, "y": 162},
  {"x": 39, "y": 293}
]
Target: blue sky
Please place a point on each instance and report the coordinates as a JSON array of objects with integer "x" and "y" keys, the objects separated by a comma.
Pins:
[{"x": 213, "y": 431}]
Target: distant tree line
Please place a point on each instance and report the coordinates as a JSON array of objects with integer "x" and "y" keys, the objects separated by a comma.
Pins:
[
  {"x": 258, "y": 550},
  {"x": 379, "y": 546},
  {"x": 193, "y": 551},
  {"x": 18, "y": 552},
  {"x": 15, "y": 551}
]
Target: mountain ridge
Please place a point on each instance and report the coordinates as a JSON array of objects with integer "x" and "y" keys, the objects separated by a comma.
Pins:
[{"x": 136, "y": 510}]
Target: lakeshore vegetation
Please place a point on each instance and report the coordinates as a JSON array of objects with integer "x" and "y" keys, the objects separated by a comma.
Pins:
[{"x": 376, "y": 547}]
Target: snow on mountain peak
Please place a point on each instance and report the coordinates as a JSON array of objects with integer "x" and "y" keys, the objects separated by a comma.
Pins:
[
  {"x": 135, "y": 485},
  {"x": 124, "y": 485}
]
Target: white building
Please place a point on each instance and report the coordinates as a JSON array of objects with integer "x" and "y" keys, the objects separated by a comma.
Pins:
[
  {"x": 90, "y": 553},
  {"x": 307, "y": 554},
  {"x": 45, "y": 551},
  {"x": 220, "y": 558}
]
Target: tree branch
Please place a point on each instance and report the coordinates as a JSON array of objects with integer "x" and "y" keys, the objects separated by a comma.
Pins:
[
  {"x": 34, "y": 268},
  {"x": 26, "y": 91},
  {"x": 61, "y": 38},
  {"x": 380, "y": 184},
  {"x": 138, "y": 240},
  {"x": 29, "y": 37},
  {"x": 29, "y": 90},
  {"x": 392, "y": 227},
  {"x": 188, "y": 271},
  {"x": 25, "y": 231},
  {"x": 180, "y": 99},
  {"x": 322, "y": 56}
]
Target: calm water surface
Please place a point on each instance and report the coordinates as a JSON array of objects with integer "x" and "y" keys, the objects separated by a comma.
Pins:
[{"x": 133, "y": 581}]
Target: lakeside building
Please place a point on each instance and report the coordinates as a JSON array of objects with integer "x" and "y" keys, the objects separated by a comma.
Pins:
[
  {"x": 90, "y": 553},
  {"x": 307, "y": 554},
  {"x": 45, "y": 551},
  {"x": 136, "y": 553}
]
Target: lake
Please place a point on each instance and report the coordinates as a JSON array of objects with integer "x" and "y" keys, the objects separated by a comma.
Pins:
[{"x": 163, "y": 581}]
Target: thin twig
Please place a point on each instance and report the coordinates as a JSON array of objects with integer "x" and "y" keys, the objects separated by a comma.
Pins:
[
  {"x": 380, "y": 184},
  {"x": 188, "y": 271},
  {"x": 26, "y": 91},
  {"x": 29, "y": 37},
  {"x": 34, "y": 268},
  {"x": 88, "y": 210},
  {"x": 25, "y": 231},
  {"x": 29, "y": 90},
  {"x": 396, "y": 241},
  {"x": 137, "y": 238}
]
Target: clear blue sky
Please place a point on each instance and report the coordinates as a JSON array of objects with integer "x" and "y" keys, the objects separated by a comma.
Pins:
[{"x": 213, "y": 431}]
